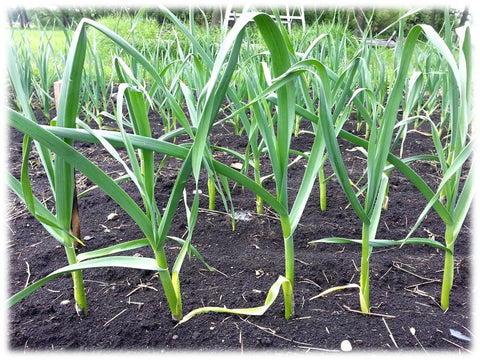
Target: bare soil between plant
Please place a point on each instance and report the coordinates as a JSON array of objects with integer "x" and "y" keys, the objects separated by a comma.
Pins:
[{"x": 128, "y": 310}]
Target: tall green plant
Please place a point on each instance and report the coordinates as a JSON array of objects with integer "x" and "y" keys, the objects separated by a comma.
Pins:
[
  {"x": 379, "y": 145},
  {"x": 59, "y": 174},
  {"x": 457, "y": 148},
  {"x": 277, "y": 138},
  {"x": 453, "y": 212}
]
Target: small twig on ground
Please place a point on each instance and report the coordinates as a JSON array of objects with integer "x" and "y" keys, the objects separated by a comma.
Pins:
[
  {"x": 355, "y": 265},
  {"x": 424, "y": 294},
  {"x": 28, "y": 275},
  {"x": 398, "y": 266},
  {"x": 455, "y": 344},
  {"x": 317, "y": 349},
  {"x": 302, "y": 262},
  {"x": 240, "y": 340},
  {"x": 370, "y": 313},
  {"x": 386, "y": 272},
  {"x": 412, "y": 331},
  {"x": 420, "y": 284},
  {"x": 109, "y": 321},
  {"x": 228, "y": 317},
  {"x": 308, "y": 281},
  {"x": 325, "y": 276},
  {"x": 390, "y": 333},
  {"x": 139, "y": 304},
  {"x": 272, "y": 332},
  {"x": 141, "y": 286}
]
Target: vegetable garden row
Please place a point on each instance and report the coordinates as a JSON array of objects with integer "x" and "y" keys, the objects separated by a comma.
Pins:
[{"x": 265, "y": 88}]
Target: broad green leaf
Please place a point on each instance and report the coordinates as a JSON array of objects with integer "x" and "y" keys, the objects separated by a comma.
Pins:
[
  {"x": 335, "y": 157},
  {"x": 464, "y": 202},
  {"x": 91, "y": 171},
  {"x": 214, "y": 92},
  {"x": 377, "y": 209},
  {"x": 132, "y": 262},
  {"x": 419, "y": 183},
  {"x": 170, "y": 149},
  {"x": 383, "y": 242},
  {"x": 173, "y": 201},
  {"x": 41, "y": 213},
  {"x": 452, "y": 171},
  {"x": 66, "y": 116},
  {"x": 27, "y": 194},
  {"x": 144, "y": 173},
  {"x": 377, "y": 160},
  {"x": 114, "y": 249}
]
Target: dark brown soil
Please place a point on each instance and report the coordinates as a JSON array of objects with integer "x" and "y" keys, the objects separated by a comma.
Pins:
[{"x": 127, "y": 309}]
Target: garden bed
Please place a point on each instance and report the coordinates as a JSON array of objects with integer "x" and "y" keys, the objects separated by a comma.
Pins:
[{"x": 128, "y": 310}]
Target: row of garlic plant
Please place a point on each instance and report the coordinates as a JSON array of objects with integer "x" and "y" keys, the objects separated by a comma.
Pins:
[
  {"x": 154, "y": 225},
  {"x": 203, "y": 109},
  {"x": 450, "y": 200}
]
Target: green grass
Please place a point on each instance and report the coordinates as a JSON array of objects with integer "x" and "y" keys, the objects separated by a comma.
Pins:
[
  {"x": 142, "y": 33},
  {"x": 165, "y": 41},
  {"x": 34, "y": 37}
]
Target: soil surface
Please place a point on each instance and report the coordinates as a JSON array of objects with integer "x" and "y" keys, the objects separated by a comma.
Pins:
[{"x": 128, "y": 310}]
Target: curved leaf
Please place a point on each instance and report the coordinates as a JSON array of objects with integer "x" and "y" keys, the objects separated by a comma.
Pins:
[
  {"x": 174, "y": 150},
  {"x": 255, "y": 311},
  {"x": 383, "y": 242},
  {"x": 84, "y": 165},
  {"x": 132, "y": 262}
]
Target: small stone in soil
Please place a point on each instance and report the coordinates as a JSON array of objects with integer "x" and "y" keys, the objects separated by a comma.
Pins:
[
  {"x": 112, "y": 216},
  {"x": 346, "y": 345}
]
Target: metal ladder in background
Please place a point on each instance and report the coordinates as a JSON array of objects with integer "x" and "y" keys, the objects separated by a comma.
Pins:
[{"x": 291, "y": 13}]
